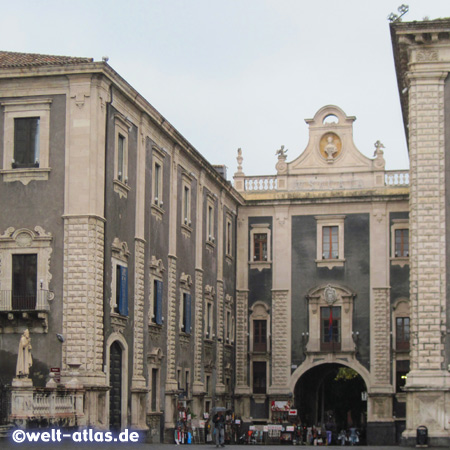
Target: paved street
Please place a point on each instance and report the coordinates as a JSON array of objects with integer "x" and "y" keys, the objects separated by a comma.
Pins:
[{"x": 9, "y": 445}]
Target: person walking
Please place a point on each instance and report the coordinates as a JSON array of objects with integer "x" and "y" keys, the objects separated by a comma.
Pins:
[{"x": 219, "y": 428}]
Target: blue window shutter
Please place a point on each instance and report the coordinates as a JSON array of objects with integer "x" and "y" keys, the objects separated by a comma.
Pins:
[
  {"x": 123, "y": 300},
  {"x": 188, "y": 313},
  {"x": 159, "y": 287}
]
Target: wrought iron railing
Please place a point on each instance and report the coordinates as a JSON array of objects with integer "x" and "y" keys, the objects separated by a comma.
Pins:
[{"x": 19, "y": 301}]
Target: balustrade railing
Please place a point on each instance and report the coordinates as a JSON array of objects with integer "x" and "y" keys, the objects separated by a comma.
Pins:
[
  {"x": 261, "y": 183},
  {"x": 396, "y": 178},
  {"x": 19, "y": 301}
]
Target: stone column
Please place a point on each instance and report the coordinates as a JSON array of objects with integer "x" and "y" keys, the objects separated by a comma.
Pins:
[{"x": 428, "y": 382}]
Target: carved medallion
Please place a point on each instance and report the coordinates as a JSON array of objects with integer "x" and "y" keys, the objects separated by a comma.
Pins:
[
  {"x": 330, "y": 295},
  {"x": 23, "y": 240},
  {"x": 330, "y": 146}
]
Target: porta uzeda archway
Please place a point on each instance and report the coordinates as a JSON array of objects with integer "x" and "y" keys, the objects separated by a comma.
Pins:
[{"x": 333, "y": 396}]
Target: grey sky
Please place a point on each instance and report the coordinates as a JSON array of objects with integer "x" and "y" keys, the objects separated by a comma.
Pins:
[{"x": 238, "y": 73}]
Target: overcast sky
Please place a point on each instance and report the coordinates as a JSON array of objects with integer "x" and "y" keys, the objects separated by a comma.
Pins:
[{"x": 238, "y": 73}]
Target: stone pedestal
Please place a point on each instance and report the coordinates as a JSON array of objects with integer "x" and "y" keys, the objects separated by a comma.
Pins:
[{"x": 21, "y": 400}]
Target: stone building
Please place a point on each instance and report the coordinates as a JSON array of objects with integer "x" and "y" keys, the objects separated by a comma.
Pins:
[
  {"x": 422, "y": 61},
  {"x": 323, "y": 269},
  {"x": 150, "y": 285},
  {"x": 117, "y": 235}
]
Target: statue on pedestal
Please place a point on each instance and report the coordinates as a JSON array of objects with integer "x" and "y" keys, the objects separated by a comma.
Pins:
[{"x": 24, "y": 359}]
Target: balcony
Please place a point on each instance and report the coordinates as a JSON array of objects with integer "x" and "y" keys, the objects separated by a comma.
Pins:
[{"x": 13, "y": 301}]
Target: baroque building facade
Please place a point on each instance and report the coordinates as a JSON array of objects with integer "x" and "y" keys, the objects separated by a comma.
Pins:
[{"x": 151, "y": 286}]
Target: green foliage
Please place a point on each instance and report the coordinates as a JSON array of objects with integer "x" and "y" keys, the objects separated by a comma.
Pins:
[{"x": 346, "y": 374}]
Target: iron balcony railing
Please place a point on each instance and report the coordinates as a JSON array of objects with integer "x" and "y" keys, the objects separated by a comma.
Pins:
[{"x": 18, "y": 301}]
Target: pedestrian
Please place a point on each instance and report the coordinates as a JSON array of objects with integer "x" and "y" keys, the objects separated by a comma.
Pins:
[{"x": 219, "y": 426}]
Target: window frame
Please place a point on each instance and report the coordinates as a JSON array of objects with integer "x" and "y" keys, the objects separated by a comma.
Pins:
[
  {"x": 255, "y": 229},
  {"x": 210, "y": 236},
  {"x": 333, "y": 345},
  {"x": 157, "y": 194},
  {"x": 321, "y": 223},
  {"x": 120, "y": 257},
  {"x": 26, "y": 109},
  {"x": 26, "y": 241},
  {"x": 229, "y": 236},
  {"x": 260, "y": 390},
  {"x": 399, "y": 224},
  {"x": 121, "y": 131}
]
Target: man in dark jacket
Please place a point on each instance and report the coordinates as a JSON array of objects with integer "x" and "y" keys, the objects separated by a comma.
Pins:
[{"x": 219, "y": 425}]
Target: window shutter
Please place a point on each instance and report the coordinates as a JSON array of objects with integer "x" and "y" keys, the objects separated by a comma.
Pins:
[
  {"x": 159, "y": 287},
  {"x": 123, "y": 300},
  {"x": 188, "y": 313}
]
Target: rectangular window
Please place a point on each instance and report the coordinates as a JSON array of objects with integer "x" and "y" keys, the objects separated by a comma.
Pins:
[
  {"x": 260, "y": 335},
  {"x": 187, "y": 382},
  {"x": 402, "y": 333},
  {"x": 24, "y": 282},
  {"x": 157, "y": 198},
  {"x": 157, "y": 302},
  {"x": 26, "y": 142},
  {"x": 208, "y": 385},
  {"x": 228, "y": 327},
  {"x": 154, "y": 389},
  {"x": 260, "y": 247},
  {"x": 208, "y": 324},
  {"x": 259, "y": 377},
  {"x": 229, "y": 238},
  {"x": 331, "y": 328},
  {"x": 122, "y": 290},
  {"x": 210, "y": 223},
  {"x": 401, "y": 374},
  {"x": 120, "y": 158},
  {"x": 186, "y": 319},
  {"x": 186, "y": 206},
  {"x": 402, "y": 243},
  {"x": 330, "y": 242}
]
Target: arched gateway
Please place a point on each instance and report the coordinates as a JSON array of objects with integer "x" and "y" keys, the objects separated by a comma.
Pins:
[{"x": 332, "y": 395}]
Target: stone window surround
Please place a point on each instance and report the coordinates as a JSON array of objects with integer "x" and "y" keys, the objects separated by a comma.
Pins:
[
  {"x": 401, "y": 308},
  {"x": 330, "y": 221},
  {"x": 186, "y": 221},
  {"x": 157, "y": 270},
  {"x": 120, "y": 256},
  {"x": 25, "y": 241},
  {"x": 229, "y": 237},
  {"x": 259, "y": 311},
  {"x": 398, "y": 224},
  {"x": 316, "y": 299},
  {"x": 185, "y": 288},
  {"x": 260, "y": 228},
  {"x": 23, "y": 108},
  {"x": 210, "y": 222},
  {"x": 157, "y": 203},
  {"x": 209, "y": 293},
  {"x": 154, "y": 359},
  {"x": 121, "y": 128}
]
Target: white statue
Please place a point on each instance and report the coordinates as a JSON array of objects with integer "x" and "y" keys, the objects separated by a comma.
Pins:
[
  {"x": 330, "y": 149},
  {"x": 24, "y": 360}
]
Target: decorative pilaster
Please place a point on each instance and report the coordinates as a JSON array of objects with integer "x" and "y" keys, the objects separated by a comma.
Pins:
[
  {"x": 220, "y": 386},
  {"x": 171, "y": 382},
  {"x": 198, "y": 384},
  {"x": 381, "y": 339},
  {"x": 83, "y": 297},
  {"x": 281, "y": 360},
  {"x": 241, "y": 341}
]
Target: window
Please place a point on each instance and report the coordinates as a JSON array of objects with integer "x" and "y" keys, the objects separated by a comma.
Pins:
[
  {"x": 121, "y": 156},
  {"x": 401, "y": 242},
  {"x": 330, "y": 318},
  {"x": 229, "y": 236},
  {"x": 24, "y": 283},
  {"x": 208, "y": 385},
  {"x": 260, "y": 254},
  {"x": 260, "y": 247},
  {"x": 157, "y": 302},
  {"x": 155, "y": 390},
  {"x": 157, "y": 186},
  {"x": 186, "y": 313},
  {"x": 260, "y": 335},
  {"x": 25, "y": 265},
  {"x": 259, "y": 377},
  {"x": 402, "y": 333},
  {"x": 186, "y": 206},
  {"x": 209, "y": 321},
  {"x": 402, "y": 369},
  {"x": 330, "y": 241},
  {"x": 121, "y": 290},
  {"x": 210, "y": 211},
  {"x": 330, "y": 247},
  {"x": 187, "y": 378},
  {"x": 26, "y": 140},
  {"x": 228, "y": 327}
]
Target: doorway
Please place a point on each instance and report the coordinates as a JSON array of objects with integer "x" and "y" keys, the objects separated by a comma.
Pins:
[{"x": 115, "y": 382}]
